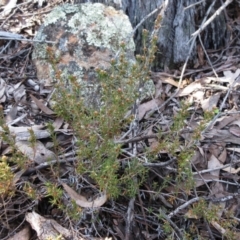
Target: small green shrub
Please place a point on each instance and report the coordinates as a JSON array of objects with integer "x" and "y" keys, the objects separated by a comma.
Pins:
[
  {"x": 96, "y": 128},
  {"x": 6, "y": 178}
]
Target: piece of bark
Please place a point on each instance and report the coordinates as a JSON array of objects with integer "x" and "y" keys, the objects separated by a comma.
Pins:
[{"x": 47, "y": 228}]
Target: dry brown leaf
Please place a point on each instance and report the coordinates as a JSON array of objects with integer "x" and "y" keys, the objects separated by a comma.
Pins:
[
  {"x": 8, "y": 8},
  {"x": 20, "y": 94},
  {"x": 58, "y": 123},
  {"x": 213, "y": 162},
  {"x": 42, "y": 106},
  {"x": 38, "y": 153},
  {"x": 235, "y": 130},
  {"x": 229, "y": 77},
  {"x": 216, "y": 149},
  {"x": 190, "y": 88},
  {"x": 224, "y": 121},
  {"x": 2, "y": 90},
  {"x": 222, "y": 135},
  {"x": 17, "y": 176},
  {"x": 39, "y": 134},
  {"x": 217, "y": 192},
  {"x": 196, "y": 85},
  {"x": 168, "y": 91},
  {"x": 223, "y": 156},
  {"x": 231, "y": 170},
  {"x": 82, "y": 201},
  {"x": 3, "y": 99},
  {"x": 171, "y": 82},
  {"x": 237, "y": 121},
  {"x": 210, "y": 103},
  {"x": 29, "y": 31},
  {"x": 11, "y": 115},
  {"x": 201, "y": 150},
  {"x": 16, "y": 130},
  {"x": 22, "y": 133},
  {"x": 198, "y": 95},
  {"x": 219, "y": 151},
  {"x": 234, "y": 149},
  {"x": 217, "y": 87},
  {"x": 198, "y": 159},
  {"x": 148, "y": 106},
  {"x": 158, "y": 88},
  {"x": 153, "y": 142},
  {"x": 203, "y": 179}
]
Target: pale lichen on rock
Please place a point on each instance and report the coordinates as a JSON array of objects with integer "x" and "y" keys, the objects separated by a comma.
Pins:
[{"x": 87, "y": 36}]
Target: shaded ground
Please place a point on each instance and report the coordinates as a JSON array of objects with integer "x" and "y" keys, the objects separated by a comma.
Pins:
[{"x": 167, "y": 205}]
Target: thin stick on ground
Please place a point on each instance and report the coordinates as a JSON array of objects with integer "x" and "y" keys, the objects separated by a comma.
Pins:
[
  {"x": 186, "y": 204},
  {"x": 206, "y": 54},
  {"x": 129, "y": 220}
]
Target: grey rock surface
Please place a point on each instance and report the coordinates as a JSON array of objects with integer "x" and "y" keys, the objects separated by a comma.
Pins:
[{"x": 87, "y": 36}]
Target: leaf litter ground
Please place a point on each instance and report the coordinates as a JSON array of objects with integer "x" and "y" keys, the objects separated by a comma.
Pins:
[{"x": 165, "y": 204}]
